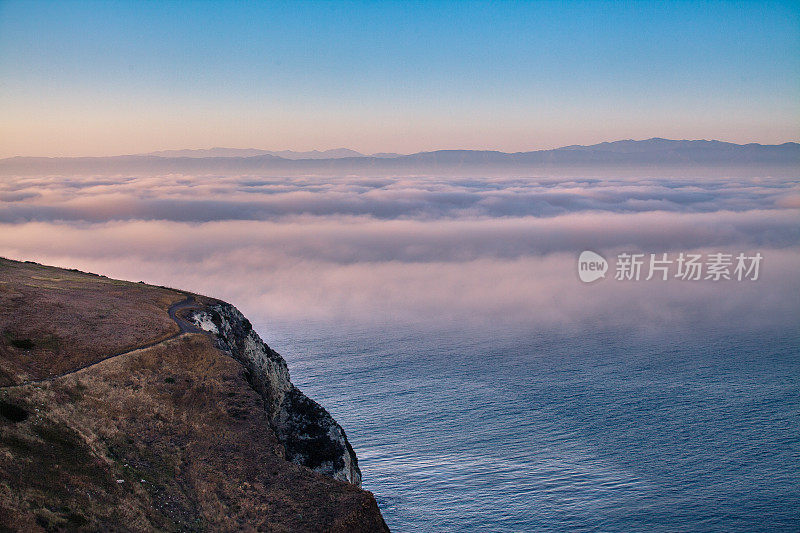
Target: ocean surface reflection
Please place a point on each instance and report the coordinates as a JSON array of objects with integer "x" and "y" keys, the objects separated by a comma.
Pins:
[{"x": 546, "y": 432}]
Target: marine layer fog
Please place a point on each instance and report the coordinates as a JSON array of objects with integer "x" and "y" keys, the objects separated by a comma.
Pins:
[{"x": 493, "y": 252}]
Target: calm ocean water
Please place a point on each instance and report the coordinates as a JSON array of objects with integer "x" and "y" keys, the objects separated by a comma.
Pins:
[{"x": 597, "y": 432}]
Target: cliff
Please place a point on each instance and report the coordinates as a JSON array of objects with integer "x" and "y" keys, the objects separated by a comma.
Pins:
[
  {"x": 125, "y": 406},
  {"x": 309, "y": 434}
]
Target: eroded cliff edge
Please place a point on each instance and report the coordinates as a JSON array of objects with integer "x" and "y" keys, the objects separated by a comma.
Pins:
[
  {"x": 117, "y": 412},
  {"x": 309, "y": 434}
]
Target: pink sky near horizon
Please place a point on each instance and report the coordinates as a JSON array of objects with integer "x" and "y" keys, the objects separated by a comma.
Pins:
[{"x": 87, "y": 136}]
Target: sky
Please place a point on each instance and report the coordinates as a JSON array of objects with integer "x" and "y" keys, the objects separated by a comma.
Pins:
[{"x": 104, "y": 78}]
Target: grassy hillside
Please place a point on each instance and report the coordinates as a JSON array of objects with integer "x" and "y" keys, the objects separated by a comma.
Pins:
[{"x": 166, "y": 437}]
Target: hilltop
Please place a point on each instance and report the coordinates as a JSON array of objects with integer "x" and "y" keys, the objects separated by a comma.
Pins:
[{"x": 125, "y": 406}]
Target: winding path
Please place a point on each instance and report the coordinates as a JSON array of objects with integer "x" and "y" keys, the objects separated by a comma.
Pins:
[{"x": 183, "y": 327}]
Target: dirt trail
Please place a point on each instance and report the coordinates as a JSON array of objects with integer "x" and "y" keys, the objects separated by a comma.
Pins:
[{"x": 183, "y": 325}]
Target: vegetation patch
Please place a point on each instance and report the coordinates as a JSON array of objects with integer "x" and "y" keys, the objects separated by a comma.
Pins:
[
  {"x": 45, "y": 341},
  {"x": 12, "y": 412},
  {"x": 22, "y": 344}
]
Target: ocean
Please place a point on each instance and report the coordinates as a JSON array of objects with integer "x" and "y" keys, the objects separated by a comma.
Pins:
[
  {"x": 601, "y": 431},
  {"x": 444, "y": 322}
]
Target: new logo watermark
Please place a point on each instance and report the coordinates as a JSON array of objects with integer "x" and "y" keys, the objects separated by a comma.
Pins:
[
  {"x": 591, "y": 266},
  {"x": 662, "y": 267}
]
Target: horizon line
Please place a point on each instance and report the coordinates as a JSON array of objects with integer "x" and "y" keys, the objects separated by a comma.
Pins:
[{"x": 154, "y": 153}]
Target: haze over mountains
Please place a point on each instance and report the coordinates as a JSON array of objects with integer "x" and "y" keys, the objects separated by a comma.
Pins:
[
  {"x": 632, "y": 154},
  {"x": 335, "y": 153}
]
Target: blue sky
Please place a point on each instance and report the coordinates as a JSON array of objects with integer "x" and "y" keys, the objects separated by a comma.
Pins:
[{"x": 93, "y": 78}]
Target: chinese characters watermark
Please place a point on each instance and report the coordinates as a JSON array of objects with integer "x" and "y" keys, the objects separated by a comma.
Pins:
[{"x": 662, "y": 267}]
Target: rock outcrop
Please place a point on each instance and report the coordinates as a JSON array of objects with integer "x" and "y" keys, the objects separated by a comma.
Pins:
[
  {"x": 309, "y": 434},
  {"x": 131, "y": 407}
]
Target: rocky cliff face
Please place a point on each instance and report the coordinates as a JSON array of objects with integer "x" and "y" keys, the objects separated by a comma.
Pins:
[
  {"x": 118, "y": 413},
  {"x": 309, "y": 434}
]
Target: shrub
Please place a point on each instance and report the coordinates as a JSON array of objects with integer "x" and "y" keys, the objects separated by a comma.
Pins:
[
  {"x": 13, "y": 412},
  {"x": 22, "y": 344}
]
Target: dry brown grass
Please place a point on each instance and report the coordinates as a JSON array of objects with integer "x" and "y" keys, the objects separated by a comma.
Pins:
[
  {"x": 194, "y": 451},
  {"x": 176, "y": 422},
  {"x": 54, "y": 320}
]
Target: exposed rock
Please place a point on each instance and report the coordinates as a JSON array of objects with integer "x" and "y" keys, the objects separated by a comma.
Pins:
[
  {"x": 118, "y": 414},
  {"x": 309, "y": 434}
]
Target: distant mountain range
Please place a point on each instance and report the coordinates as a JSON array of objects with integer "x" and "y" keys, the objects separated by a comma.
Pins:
[
  {"x": 653, "y": 153},
  {"x": 335, "y": 153}
]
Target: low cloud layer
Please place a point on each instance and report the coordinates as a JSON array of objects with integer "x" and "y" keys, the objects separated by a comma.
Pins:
[
  {"x": 209, "y": 198},
  {"x": 494, "y": 252}
]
